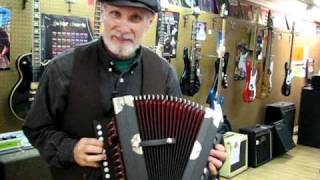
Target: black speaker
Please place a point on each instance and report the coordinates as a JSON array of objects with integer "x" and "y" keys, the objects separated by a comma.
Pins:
[
  {"x": 309, "y": 118},
  {"x": 281, "y": 110},
  {"x": 282, "y": 140},
  {"x": 315, "y": 81},
  {"x": 259, "y": 144},
  {"x": 23, "y": 165}
]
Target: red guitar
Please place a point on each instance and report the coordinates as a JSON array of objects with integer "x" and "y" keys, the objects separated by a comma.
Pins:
[{"x": 247, "y": 92}]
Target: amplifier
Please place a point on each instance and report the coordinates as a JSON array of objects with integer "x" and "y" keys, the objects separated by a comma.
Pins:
[
  {"x": 281, "y": 110},
  {"x": 24, "y": 165},
  {"x": 282, "y": 141},
  {"x": 309, "y": 118},
  {"x": 315, "y": 81},
  {"x": 236, "y": 145},
  {"x": 259, "y": 144}
]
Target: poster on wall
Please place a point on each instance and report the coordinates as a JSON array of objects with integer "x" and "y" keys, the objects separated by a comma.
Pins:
[
  {"x": 170, "y": 32},
  {"x": 62, "y": 32},
  {"x": 201, "y": 31},
  {"x": 5, "y": 17}
]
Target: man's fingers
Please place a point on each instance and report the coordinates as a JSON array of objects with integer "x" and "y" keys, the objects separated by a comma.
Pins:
[
  {"x": 95, "y": 158},
  {"x": 217, "y": 163},
  {"x": 213, "y": 169},
  {"x": 92, "y": 141}
]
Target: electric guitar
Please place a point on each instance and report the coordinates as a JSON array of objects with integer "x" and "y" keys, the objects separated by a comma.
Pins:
[
  {"x": 265, "y": 79},
  {"x": 215, "y": 92},
  {"x": 95, "y": 33},
  {"x": 286, "y": 86},
  {"x": 160, "y": 47},
  {"x": 190, "y": 81},
  {"x": 249, "y": 92},
  {"x": 30, "y": 69}
]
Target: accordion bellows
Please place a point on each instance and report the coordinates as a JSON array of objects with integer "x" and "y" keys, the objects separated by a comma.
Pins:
[{"x": 158, "y": 138}]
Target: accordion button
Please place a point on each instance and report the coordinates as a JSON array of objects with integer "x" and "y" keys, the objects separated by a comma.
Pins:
[
  {"x": 101, "y": 138},
  {"x": 205, "y": 170},
  {"x": 106, "y": 170},
  {"x": 99, "y": 127},
  {"x": 105, "y": 163},
  {"x": 100, "y": 133},
  {"x": 107, "y": 176}
]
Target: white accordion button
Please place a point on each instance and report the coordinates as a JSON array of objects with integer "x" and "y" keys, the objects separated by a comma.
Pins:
[
  {"x": 100, "y": 133},
  {"x": 106, "y": 170},
  {"x": 99, "y": 127},
  {"x": 107, "y": 176},
  {"x": 101, "y": 138},
  {"x": 105, "y": 163}
]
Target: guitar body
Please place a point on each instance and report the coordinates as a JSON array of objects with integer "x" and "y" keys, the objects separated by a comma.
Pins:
[
  {"x": 19, "y": 99},
  {"x": 189, "y": 86},
  {"x": 247, "y": 92},
  {"x": 286, "y": 86}
]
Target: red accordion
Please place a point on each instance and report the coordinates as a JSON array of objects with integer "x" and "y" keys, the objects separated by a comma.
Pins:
[{"x": 158, "y": 138}]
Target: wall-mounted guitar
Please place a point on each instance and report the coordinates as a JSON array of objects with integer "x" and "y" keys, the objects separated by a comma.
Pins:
[
  {"x": 160, "y": 47},
  {"x": 95, "y": 34},
  {"x": 286, "y": 86},
  {"x": 249, "y": 91},
  {"x": 190, "y": 81},
  {"x": 265, "y": 79},
  {"x": 30, "y": 69},
  {"x": 215, "y": 92}
]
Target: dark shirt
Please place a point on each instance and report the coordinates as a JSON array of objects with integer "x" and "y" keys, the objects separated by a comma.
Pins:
[{"x": 41, "y": 126}]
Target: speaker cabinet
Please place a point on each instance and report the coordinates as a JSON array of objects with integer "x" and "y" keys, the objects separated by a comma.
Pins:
[
  {"x": 23, "y": 165},
  {"x": 282, "y": 141},
  {"x": 281, "y": 111},
  {"x": 309, "y": 118},
  {"x": 259, "y": 144},
  {"x": 236, "y": 145}
]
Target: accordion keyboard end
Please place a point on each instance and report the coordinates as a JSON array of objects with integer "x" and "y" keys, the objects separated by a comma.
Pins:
[
  {"x": 119, "y": 102},
  {"x": 216, "y": 115}
]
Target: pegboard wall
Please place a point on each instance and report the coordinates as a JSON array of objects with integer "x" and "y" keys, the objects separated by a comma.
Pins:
[{"x": 240, "y": 114}]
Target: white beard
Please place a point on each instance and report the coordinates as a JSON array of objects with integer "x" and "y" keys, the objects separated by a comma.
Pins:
[{"x": 122, "y": 51}]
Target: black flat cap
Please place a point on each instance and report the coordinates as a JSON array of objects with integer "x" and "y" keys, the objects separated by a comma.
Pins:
[{"x": 151, "y": 5}]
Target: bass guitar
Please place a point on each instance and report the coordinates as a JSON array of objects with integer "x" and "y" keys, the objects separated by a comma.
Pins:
[
  {"x": 286, "y": 86},
  {"x": 215, "y": 93},
  {"x": 190, "y": 81},
  {"x": 30, "y": 69},
  {"x": 265, "y": 79},
  {"x": 249, "y": 92}
]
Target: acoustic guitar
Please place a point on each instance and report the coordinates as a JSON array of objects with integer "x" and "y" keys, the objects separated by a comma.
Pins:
[{"x": 30, "y": 69}]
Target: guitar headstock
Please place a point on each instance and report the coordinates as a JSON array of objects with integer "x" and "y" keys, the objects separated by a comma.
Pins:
[
  {"x": 223, "y": 10},
  {"x": 270, "y": 20}
]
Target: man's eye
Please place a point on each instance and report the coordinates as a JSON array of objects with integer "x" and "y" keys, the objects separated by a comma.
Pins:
[
  {"x": 115, "y": 14},
  {"x": 135, "y": 18}
]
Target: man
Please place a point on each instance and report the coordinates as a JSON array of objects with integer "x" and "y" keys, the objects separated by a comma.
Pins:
[{"x": 78, "y": 86}]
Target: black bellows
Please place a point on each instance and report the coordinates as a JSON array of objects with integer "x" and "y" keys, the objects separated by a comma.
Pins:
[{"x": 158, "y": 138}]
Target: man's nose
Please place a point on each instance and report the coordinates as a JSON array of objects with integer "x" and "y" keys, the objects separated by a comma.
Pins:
[{"x": 124, "y": 26}]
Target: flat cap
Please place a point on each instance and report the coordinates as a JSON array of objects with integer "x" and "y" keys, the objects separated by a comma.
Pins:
[{"x": 151, "y": 5}]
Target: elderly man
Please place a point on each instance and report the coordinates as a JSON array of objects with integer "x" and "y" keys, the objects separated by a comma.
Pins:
[{"x": 78, "y": 86}]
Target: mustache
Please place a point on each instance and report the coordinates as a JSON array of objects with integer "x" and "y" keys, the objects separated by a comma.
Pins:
[{"x": 125, "y": 36}]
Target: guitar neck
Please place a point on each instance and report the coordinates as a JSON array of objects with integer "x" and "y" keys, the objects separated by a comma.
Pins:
[
  {"x": 291, "y": 45},
  {"x": 36, "y": 46},
  {"x": 97, "y": 20},
  {"x": 222, "y": 46},
  {"x": 161, "y": 27}
]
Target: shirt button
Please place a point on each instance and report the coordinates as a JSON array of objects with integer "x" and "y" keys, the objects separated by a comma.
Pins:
[
  {"x": 111, "y": 63},
  {"x": 121, "y": 80},
  {"x": 131, "y": 72},
  {"x": 110, "y": 69}
]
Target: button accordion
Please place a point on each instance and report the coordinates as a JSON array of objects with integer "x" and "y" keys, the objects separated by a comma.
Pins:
[{"x": 158, "y": 137}]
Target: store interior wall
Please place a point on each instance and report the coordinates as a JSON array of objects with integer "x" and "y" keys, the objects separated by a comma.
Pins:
[{"x": 239, "y": 113}]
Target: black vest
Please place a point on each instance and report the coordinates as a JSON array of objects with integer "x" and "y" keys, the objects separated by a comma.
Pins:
[{"x": 84, "y": 102}]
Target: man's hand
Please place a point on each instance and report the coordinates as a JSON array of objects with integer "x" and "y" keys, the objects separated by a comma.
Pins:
[
  {"x": 88, "y": 152},
  {"x": 216, "y": 158}
]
